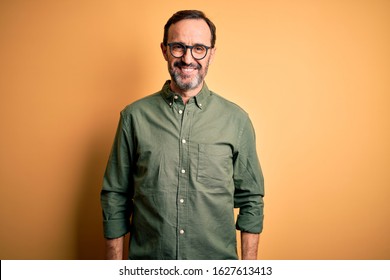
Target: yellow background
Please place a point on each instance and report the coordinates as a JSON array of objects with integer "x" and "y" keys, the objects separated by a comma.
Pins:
[{"x": 313, "y": 76}]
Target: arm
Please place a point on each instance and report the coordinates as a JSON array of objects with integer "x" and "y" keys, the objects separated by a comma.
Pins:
[
  {"x": 249, "y": 245},
  {"x": 114, "y": 248},
  {"x": 116, "y": 195},
  {"x": 249, "y": 192}
]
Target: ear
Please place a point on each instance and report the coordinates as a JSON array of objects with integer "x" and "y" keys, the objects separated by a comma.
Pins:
[
  {"x": 212, "y": 54},
  {"x": 164, "y": 51}
]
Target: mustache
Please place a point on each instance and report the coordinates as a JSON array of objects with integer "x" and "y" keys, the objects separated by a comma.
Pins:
[{"x": 183, "y": 64}]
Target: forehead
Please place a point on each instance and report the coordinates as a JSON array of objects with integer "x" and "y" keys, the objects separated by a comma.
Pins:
[{"x": 190, "y": 31}]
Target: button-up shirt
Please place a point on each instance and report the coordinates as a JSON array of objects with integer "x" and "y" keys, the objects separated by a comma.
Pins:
[{"x": 175, "y": 174}]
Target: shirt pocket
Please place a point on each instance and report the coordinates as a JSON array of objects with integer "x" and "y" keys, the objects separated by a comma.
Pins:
[{"x": 215, "y": 164}]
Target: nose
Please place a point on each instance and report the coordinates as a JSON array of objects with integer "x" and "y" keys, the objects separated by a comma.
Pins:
[{"x": 187, "y": 56}]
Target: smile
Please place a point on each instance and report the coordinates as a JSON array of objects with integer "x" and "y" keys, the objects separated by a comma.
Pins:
[{"x": 187, "y": 70}]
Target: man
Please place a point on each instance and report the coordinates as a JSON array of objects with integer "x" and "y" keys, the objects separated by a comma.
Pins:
[{"x": 182, "y": 159}]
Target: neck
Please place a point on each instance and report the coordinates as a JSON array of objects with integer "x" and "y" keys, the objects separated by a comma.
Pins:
[{"x": 186, "y": 94}]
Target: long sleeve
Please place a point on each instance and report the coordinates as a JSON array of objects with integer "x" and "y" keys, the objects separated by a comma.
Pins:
[
  {"x": 116, "y": 193},
  {"x": 249, "y": 183}
]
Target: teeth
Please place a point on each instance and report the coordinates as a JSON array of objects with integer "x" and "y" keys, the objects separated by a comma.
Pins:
[{"x": 187, "y": 69}]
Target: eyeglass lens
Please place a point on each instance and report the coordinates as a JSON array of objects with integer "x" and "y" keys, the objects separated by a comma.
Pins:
[{"x": 178, "y": 50}]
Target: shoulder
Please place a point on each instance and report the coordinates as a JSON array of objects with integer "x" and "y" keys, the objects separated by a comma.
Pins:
[
  {"x": 144, "y": 104},
  {"x": 227, "y": 106}
]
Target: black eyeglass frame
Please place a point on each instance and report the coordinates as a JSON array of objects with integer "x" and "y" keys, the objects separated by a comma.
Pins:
[{"x": 185, "y": 47}]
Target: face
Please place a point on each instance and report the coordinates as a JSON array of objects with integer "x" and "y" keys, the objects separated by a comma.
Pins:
[{"x": 186, "y": 72}]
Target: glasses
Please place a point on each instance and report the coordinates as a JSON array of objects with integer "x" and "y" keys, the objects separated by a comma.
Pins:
[{"x": 178, "y": 50}]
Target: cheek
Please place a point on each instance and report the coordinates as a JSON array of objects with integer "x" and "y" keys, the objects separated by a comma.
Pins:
[
  {"x": 171, "y": 61},
  {"x": 204, "y": 65}
]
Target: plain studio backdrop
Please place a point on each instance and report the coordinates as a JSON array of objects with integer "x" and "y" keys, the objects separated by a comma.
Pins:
[{"x": 313, "y": 76}]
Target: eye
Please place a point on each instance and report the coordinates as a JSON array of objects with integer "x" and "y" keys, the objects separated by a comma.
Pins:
[
  {"x": 177, "y": 47},
  {"x": 199, "y": 48}
]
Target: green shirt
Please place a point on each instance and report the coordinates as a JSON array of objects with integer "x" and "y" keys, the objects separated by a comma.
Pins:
[{"x": 175, "y": 174}]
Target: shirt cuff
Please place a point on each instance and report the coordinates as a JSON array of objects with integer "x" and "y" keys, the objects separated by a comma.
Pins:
[
  {"x": 115, "y": 228},
  {"x": 250, "y": 223}
]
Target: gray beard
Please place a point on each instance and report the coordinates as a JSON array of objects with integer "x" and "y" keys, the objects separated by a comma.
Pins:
[
  {"x": 178, "y": 80},
  {"x": 194, "y": 83}
]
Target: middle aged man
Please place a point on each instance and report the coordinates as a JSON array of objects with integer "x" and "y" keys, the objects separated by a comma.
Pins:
[{"x": 182, "y": 160}]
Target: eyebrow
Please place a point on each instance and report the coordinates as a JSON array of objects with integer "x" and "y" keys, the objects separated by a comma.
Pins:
[{"x": 190, "y": 45}]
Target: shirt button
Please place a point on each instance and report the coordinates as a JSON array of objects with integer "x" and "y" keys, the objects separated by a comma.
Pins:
[
  {"x": 183, "y": 141},
  {"x": 180, "y": 112},
  {"x": 200, "y": 104},
  {"x": 181, "y": 200},
  {"x": 181, "y": 231},
  {"x": 176, "y": 97},
  {"x": 183, "y": 171}
]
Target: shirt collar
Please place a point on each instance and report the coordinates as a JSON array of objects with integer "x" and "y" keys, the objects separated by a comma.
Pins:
[{"x": 200, "y": 99}]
